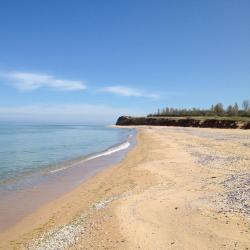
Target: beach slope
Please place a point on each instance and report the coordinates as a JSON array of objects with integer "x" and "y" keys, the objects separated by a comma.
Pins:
[{"x": 178, "y": 188}]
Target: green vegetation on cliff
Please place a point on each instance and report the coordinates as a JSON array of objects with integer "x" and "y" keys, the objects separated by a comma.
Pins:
[{"x": 217, "y": 110}]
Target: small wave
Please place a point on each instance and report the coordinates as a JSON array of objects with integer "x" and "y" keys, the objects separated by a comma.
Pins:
[{"x": 109, "y": 151}]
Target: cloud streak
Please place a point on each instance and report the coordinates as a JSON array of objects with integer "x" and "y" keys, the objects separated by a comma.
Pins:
[
  {"x": 27, "y": 81},
  {"x": 125, "y": 91}
]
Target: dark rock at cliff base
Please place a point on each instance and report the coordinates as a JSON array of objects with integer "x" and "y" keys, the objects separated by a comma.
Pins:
[{"x": 182, "y": 122}]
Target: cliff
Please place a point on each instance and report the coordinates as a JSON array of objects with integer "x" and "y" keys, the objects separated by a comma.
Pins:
[{"x": 183, "y": 122}]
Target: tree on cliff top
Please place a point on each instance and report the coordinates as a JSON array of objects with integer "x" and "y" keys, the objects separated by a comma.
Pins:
[
  {"x": 218, "y": 109},
  {"x": 246, "y": 105}
]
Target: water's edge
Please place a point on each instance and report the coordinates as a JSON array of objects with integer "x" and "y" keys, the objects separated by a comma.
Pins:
[{"x": 42, "y": 188}]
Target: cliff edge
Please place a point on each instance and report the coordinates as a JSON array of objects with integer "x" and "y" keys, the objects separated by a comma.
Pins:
[{"x": 182, "y": 122}]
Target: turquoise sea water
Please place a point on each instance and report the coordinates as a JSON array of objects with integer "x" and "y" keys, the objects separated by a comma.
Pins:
[{"x": 26, "y": 149}]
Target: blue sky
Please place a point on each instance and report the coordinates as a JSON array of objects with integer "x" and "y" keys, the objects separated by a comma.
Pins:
[{"x": 91, "y": 61}]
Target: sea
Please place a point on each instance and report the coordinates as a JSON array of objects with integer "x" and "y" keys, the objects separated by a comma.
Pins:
[{"x": 38, "y": 163}]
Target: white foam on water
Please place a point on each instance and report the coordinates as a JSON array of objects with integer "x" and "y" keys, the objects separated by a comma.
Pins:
[{"x": 109, "y": 151}]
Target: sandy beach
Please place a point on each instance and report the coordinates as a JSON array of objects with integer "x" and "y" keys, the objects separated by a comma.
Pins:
[{"x": 178, "y": 188}]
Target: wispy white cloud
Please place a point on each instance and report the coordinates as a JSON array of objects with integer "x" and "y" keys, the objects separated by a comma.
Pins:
[
  {"x": 62, "y": 113},
  {"x": 125, "y": 91},
  {"x": 27, "y": 81}
]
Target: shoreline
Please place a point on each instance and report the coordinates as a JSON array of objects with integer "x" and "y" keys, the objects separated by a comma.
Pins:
[
  {"x": 36, "y": 190},
  {"x": 172, "y": 181}
]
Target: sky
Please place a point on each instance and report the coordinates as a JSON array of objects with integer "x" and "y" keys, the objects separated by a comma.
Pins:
[{"x": 89, "y": 61}]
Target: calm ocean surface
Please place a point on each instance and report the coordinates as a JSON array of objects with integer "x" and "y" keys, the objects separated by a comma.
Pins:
[{"x": 26, "y": 149}]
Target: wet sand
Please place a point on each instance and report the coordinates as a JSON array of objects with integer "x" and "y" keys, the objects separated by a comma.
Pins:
[
  {"x": 178, "y": 188},
  {"x": 26, "y": 195}
]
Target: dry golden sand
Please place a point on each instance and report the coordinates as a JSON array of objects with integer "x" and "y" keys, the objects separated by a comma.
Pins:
[{"x": 179, "y": 188}]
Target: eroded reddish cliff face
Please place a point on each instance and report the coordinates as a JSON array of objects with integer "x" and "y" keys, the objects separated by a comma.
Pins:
[{"x": 182, "y": 122}]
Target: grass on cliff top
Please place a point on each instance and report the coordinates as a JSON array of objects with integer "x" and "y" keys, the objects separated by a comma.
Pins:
[{"x": 235, "y": 118}]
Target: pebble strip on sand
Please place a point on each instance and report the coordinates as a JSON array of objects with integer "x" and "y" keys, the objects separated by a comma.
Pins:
[
  {"x": 236, "y": 183},
  {"x": 67, "y": 235}
]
